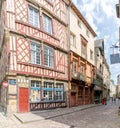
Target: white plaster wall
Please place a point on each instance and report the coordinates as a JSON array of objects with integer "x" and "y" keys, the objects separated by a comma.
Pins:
[{"x": 77, "y": 31}]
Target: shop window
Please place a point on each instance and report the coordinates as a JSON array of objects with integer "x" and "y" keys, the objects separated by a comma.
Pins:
[
  {"x": 48, "y": 91},
  {"x": 59, "y": 91},
  {"x": 35, "y": 91}
]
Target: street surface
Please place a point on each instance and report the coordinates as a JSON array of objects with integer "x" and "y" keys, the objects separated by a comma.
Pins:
[{"x": 104, "y": 116}]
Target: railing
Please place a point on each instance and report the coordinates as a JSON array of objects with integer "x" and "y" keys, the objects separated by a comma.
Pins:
[
  {"x": 34, "y": 106},
  {"x": 97, "y": 82},
  {"x": 79, "y": 76}
]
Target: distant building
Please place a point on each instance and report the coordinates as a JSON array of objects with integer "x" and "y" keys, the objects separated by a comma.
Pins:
[
  {"x": 106, "y": 79},
  {"x": 98, "y": 76},
  {"x": 112, "y": 89},
  {"x": 118, "y": 86}
]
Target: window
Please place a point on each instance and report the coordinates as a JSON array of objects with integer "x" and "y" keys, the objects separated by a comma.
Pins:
[
  {"x": 74, "y": 66},
  {"x": 83, "y": 47},
  {"x": 48, "y": 91},
  {"x": 59, "y": 91},
  {"x": 35, "y": 91},
  {"x": 47, "y": 24},
  {"x": 48, "y": 57},
  {"x": 33, "y": 17},
  {"x": 82, "y": 69},
  {"x": 73, "y": 87},
  {"x": 91, "y": 54},
  {"x": 72, "y": 40},
  {"x": 79, "y": 23},
  {"x": 35, "y": 51},
  {"x": 83, "y": 50},
  {"x": 12, "y": 81},
  {"x": 87, "y": 33}
]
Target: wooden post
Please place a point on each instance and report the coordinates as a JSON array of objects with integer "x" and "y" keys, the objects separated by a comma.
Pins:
[{"x": 84, "y": 95}]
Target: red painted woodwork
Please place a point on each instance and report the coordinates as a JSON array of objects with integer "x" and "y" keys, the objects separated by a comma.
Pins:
[
  {"x": 23, "y": 99},
  {"x": 87, "y": 96},
  {"x": 73, "y": 99}
]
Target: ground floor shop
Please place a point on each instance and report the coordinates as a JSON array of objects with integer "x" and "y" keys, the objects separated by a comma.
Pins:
[
  {"x": 98, "y": 94},
  {"x": 81, "y": 94},
  {"x": 25, "y": 94}
]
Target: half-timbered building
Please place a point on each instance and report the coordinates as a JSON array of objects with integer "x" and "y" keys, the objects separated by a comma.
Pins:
[
  {"x": 81, "y": 59},
  {"x": 36, "y": 49}
]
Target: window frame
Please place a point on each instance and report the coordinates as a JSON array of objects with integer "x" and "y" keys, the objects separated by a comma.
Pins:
[
  {"x": 35, "y": 91},
  {"x": 83, "y": 47},
  {"x": 74, "y": 66},
  {"x": 73, "y": 38},
  {"x": 47, "y": 90},
  {"x": 91, "y": 54},
  {"x": 45, "y": 24},
  {"x": 33, "y": 51},
  {"x": 49, "y": 55},
  {"x": 33, "y": 16},
  {"x": 59, "y": 92}
]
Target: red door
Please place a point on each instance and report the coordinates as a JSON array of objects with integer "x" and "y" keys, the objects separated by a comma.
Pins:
[
  {"x": 23, "y": 99},
  {"x": 73, "y": 99}
]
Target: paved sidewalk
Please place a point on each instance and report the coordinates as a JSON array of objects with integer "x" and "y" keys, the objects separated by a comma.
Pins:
[{"x": 47, "y": 114}]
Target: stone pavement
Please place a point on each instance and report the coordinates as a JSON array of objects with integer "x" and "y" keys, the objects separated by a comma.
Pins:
[
  {"x": 48, "y": 114},
  {"x": 41, "y": 118}
]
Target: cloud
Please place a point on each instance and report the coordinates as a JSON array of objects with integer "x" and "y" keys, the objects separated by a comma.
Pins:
[
  {"x": 74, "y": 1},
  {"x": 101, "y": 15}
]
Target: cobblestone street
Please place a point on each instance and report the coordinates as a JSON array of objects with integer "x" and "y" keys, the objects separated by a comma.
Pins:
[
  {"x": 104, "y": 116},
  {"x": 98, "y": 117}
]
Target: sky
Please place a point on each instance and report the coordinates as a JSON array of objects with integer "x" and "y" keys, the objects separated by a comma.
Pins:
[{"x": 101, "y": 15}]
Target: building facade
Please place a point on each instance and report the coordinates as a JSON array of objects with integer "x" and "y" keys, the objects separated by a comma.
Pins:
[
  {"x": 34, "y": 55},
  {"x": 98, "y": 77},
  {"x": 118, "y": 86},
  {"x": 81, "y": 59},
  {"x": 113, "y": 89},
  {"x": 106, "y": 80}
]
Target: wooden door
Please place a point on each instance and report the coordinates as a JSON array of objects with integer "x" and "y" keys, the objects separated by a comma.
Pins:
[
  {"x": 23, "y": 99},
  {"x": 73, "y": 99}
]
